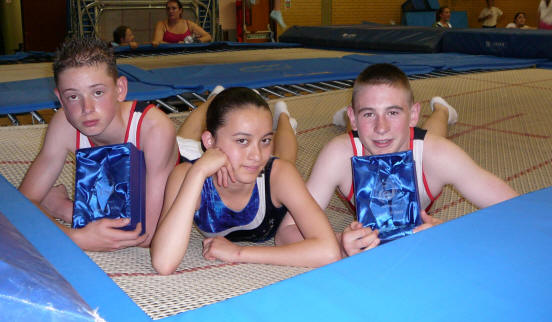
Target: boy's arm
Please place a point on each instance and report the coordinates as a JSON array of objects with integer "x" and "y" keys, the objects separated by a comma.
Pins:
[
  {"x": 104, "y": 235},
  {"x": 158, "y": 141},
  {"x": 446, "y": 163},
  {"x": 331, "y": 170},
  {"x": 45, "y": 169}
]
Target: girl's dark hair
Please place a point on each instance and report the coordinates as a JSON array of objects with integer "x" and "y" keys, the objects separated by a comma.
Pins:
[
  {"x": 439, "y": 12},
  {"x": 175, "y": 1},
  {"x": 231, "y": 99},
  {"x": 119, "y": 34},
  {"x": 518, "y": 14}
]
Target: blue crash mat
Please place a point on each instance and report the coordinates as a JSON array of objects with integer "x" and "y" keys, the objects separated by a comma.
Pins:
[
  {"x": 93, "y": 285},
  {"x": 30, "y": 287}
]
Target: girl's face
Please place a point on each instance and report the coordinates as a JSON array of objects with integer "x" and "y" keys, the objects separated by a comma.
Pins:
[
  {"x": 173, "y": 10},
  {"x": 520, "y": 20},
  {"x": 445, "y": 15},
  {"x": 246, "y": 138}
]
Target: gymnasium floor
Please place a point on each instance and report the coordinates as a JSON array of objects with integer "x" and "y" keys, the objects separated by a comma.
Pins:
[{"x": 503, "y": 124}]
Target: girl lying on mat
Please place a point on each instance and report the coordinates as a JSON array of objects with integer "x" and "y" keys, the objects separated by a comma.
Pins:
[{"x": 240, "y": 189}]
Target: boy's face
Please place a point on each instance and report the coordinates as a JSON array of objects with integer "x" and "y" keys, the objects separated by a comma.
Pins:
[
  {"x": 90, "y": 97},
  {"x": 383, "y": 117}
]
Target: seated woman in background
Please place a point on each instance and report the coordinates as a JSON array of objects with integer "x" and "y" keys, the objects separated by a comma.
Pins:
[
  {"x": 442, "y": 17},
  {"x": 175, "y": 30},
  {"x": 123, "y": 36},
  {"x": 519, "y": 22}
]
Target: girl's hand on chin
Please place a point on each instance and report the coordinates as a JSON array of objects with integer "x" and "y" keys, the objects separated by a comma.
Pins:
[{"x": 215, "y": 161}]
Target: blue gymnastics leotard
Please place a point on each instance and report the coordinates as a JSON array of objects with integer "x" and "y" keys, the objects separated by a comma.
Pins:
[{"x": 258, "y": 221}]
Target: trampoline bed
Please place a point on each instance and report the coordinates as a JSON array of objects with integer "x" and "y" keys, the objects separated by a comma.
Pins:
[{"x": 503, "y": 124}]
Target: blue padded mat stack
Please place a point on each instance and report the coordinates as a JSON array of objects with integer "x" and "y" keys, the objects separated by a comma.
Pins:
[{"x": 500, "y": 42}]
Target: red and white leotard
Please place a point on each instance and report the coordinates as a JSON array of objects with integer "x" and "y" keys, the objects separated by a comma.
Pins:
[{"x": 132, "y": 134}]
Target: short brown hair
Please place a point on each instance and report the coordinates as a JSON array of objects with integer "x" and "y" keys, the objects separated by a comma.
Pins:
[
  {"x": 382, "y": 74},
  {"x": 86, "y": 51}
]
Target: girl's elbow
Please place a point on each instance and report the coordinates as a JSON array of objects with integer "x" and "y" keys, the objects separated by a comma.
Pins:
[
  {"x": 329, "y": 255},
  {"x": 162, "y": 268},
  {"x": 334, "y": 255},
  {"x": 161, "y": 264}
]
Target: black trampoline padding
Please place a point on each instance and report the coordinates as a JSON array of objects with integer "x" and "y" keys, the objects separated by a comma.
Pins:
[{"x": 367, "y": 37}]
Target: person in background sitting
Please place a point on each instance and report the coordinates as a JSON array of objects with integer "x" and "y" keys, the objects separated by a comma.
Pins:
[
  {"x": 175, "y": 30},
  {"x": 519, "y": 22},
  {"x": 442, "y": 17},
  {"x": 489, "y": 15},
  {"x": 123, "y": 36}
]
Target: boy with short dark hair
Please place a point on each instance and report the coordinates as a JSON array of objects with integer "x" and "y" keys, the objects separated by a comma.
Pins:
[
  {"x": 383, "y": 117},
  {"x": 94, "y": 113}
]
